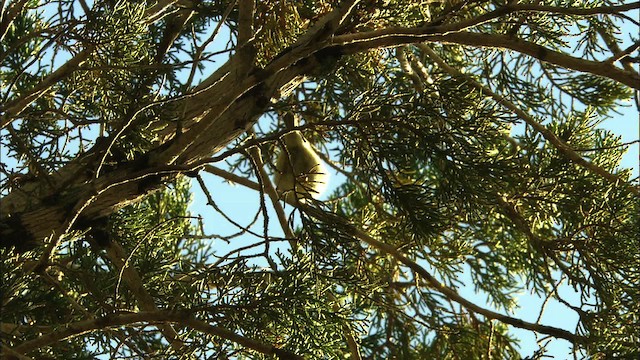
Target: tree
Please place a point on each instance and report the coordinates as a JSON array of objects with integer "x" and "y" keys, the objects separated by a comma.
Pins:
[{"x": 110, "y": 108}]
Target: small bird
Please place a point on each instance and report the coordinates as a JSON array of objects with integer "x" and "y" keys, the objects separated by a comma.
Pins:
[{"x": 300, "y": 174}]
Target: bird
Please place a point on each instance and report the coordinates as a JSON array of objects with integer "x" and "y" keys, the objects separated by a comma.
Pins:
[{"x": 300, "y": 173}]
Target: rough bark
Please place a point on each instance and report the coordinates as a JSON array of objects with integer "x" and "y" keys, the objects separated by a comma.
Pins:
[{"x": 224, "y": 106}]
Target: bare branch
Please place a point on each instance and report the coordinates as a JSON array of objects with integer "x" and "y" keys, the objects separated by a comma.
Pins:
[{"x": 232, "y": 177}]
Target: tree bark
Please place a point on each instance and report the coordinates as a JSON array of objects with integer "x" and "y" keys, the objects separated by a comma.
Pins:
[{"x": 223, "y": 107}]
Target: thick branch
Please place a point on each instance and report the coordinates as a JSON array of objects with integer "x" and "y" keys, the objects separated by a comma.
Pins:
[
  {"x": 512, "y": 8},
  {"x": 354, "y": 43},
  {"x": 601, "y": 68},
  {"x": 246, "y": 9},
  {"x": 213, "y": 120}
]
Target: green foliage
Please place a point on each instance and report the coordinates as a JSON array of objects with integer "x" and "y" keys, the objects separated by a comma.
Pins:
[
  {"x": 433, "y": 165},
  {"x": 82, "y": 283}
]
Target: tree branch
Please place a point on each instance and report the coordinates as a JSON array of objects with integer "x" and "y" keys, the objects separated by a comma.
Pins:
[
  {"x": 142, "y": 318},
  {"x": 451, "y": 294},
  {"x": 353, "y": 43},
  {"x": 246, "y": 10},
  {"x": 232, "y": 177},
  {"x": 13, "y": 108},
  {"x": 560, "y": 145},
  {"x": 598, "y": 10},
  {"x": 129, "y": 274}
]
